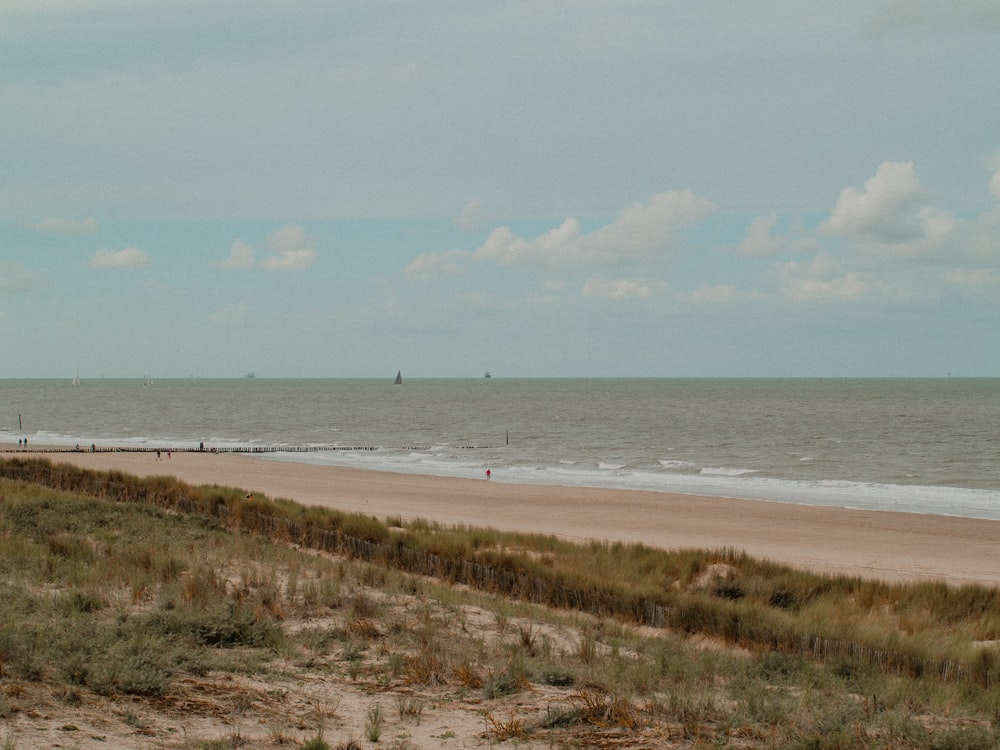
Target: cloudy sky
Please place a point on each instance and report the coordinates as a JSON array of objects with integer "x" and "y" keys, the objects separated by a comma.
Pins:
[{"x": 548, "y": 188}]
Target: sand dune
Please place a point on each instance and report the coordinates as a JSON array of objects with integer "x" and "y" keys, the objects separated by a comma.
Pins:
[{"x": 889, "y": 546}]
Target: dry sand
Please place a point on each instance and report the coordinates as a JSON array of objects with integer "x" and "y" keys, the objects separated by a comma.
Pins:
[{"x": 884, "y": 545}]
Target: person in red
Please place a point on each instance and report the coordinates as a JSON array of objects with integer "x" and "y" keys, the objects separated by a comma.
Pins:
[{"x": 488, "y": 474}]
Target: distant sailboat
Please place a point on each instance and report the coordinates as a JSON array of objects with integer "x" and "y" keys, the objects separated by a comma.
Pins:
[
  {"x": 399, "y": 378},
  {"x": 76, "y": 378},
  {"x": 147, "y": 380}
]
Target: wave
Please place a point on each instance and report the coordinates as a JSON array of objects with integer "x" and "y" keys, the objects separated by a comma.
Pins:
[
  {"x": 47, "y": 439},
  {"x": 661, "y": 476},
  {"x": 718, "y": 482},
  {"x": 724, "y": 472},
  {"x": 675, "y": 465}
]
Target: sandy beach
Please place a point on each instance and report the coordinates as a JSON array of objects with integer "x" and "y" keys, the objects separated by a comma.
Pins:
[{"x": 888, "y": 546}]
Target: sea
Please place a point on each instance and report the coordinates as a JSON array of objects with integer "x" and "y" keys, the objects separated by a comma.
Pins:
[{"x": 910, "y": 445}]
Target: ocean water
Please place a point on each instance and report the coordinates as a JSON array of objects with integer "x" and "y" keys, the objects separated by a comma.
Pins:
[{"x": 912, "y": 445}]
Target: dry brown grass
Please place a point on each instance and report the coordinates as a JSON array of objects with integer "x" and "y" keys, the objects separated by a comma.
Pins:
[{"x": 235, "y": 637}]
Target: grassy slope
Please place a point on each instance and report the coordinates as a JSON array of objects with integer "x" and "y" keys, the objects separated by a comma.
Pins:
[{"x": 123, "y": 601}]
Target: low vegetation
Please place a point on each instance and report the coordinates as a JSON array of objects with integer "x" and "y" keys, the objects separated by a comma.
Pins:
[{"x": 229, "y": 609}]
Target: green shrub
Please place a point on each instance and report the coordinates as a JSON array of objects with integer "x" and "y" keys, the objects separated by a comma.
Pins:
[{"x": 221, "y": 627}]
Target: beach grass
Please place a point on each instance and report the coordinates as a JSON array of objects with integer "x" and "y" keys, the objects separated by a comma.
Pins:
[
  {"x": 723, "y": 593},
  {"x": 133, "y": 600}
]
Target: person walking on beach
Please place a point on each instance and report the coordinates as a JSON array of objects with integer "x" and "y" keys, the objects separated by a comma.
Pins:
[{"x": 488, "y": 475}]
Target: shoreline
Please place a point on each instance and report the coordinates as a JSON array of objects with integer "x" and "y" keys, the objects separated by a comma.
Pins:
[{"x": 883, "y": 545}]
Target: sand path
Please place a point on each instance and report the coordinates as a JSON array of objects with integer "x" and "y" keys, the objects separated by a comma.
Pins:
[{"x": 889, "y": 546}]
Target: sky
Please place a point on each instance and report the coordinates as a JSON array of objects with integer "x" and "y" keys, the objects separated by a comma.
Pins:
[{"x": 550, "y": 188}]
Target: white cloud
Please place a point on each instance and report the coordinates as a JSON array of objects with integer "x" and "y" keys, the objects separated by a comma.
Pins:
[
  {"x": 615, "y": 289},
  {"x": 893, "y": 247},
  {"x": 993, "y": 163},
  {"x": 555, "y": 247},
  {"x": 639, "y": 231},
  {"x": 291, "y": 250},
  {"x": 886, "y": 210},
  {"x": 289, "y": 260},
  {"x": 130, "y": 257},
  {"x": 758, "y": 241},
  {"x": 822, "y": 279},
  {"x": 896, "y": 246},
  {"x": 241, "y": 257},
  {"x": 936, "y": 223},
  {"x": 67, "y": 226},
  {"x": 289, "y": 238},
  {"x": 980, "y": 237},
  {"x": 652, "y": 227},
  {"x": 288, "y": 249},
  {"x": 888, "y": 227},
  {"x": 432, "y": 265},
  {"x": 941, "y": 237}
]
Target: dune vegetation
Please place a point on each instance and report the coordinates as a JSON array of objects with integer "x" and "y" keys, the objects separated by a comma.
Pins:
[{"x": 149, "y": 613}]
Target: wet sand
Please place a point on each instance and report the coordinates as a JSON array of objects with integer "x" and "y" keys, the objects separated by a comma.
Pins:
[{"x": 883, "y": 545}]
